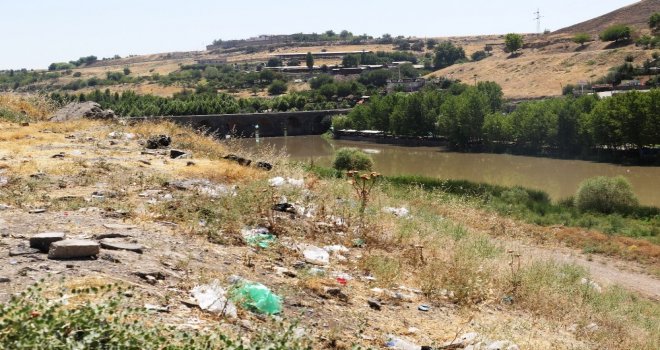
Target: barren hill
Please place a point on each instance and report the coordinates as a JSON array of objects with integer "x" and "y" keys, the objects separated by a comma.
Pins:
[{"x": 635, "y": 15}]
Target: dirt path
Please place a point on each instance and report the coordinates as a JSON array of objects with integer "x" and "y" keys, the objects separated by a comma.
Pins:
[
  {"x": 537, "y": 242},
  {"x": 603, "y": 270}
]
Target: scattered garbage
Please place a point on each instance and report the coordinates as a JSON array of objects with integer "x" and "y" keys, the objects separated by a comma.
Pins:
[
  {"x": 316, "y": 255},
  {"x": 400, "y": 212},
  {"x": 256, "y": 297},
  {"x": 335, "y": 248},
  {"x": 401, "y": 344},
  {"x": 121, "y": 135},
  {"x": 258, "y": 237},
  {"x": 284, "y": 208},
  {"x": 279, "y": 181},
  {"x": 213, "y": 298},
  {"x": 593, "y": 285}
]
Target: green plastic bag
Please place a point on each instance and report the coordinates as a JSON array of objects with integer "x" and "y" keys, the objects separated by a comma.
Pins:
[
  {"x": 262, "y": 240},
  {"x": 257, "y": 297}
]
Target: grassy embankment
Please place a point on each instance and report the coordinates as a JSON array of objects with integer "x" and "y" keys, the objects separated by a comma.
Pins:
[
  {"x": 451, "y": 264},
  {"x": 634, "y": 235}
]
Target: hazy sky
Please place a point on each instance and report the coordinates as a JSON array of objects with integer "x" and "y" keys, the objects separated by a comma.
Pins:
[{"x": 38, "y": 32}]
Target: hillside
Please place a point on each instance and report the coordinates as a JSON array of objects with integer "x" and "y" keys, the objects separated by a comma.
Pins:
[
  {"x": 635, "y": 15},
  {"x": 543, "y": 71},
  {"x": 444, "y": 273}
]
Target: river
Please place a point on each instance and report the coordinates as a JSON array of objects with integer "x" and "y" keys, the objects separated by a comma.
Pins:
[{"x": 559, "y": 178}]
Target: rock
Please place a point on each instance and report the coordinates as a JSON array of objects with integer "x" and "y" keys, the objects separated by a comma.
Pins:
[
  {"x": 176, "y": 154},
  {"x": 37, "y": 211},
  {"x": 593, "y": 285},
  {"x": 4, "y": 181},
  {"x": 4, "y": 279},
  {"x": 110, "y": 258},
  {"x": 158, "y": 141},
  {"x": 73, "y": 249},
  {"x": 336, "y": 292},
  {"x": 119, "y": 226},
  {"x": 591, "y": 327},
  {"x": 152, "y": 307},
  {"x": 110, "y": 235},
  {"x": 3, "y": 206},
  {"x": 118, "y": 245},
  {"x": 265, "y": 166},
  {"x": 237, "y": 159},
  {"x": 151, "y": 275},
  {"x": 374, "y": 304},
  {"x": 79, "y": 110},
  {"x": 42, "y": 241},
  {"x": 23, "y": 250},
  {"x": 423, "y": 307}
]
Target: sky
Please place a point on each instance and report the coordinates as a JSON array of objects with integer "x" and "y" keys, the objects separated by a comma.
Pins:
[{"x": 39, "y": 32}]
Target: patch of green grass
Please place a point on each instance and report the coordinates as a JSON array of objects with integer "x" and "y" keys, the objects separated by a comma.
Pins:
[{"x": 101, "y": 318}]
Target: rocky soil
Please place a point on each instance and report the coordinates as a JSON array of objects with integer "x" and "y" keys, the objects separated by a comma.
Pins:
[{"x": 77, "y": 208}]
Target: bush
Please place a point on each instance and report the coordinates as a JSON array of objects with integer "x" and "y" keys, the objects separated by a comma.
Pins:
[
  {"x": 352, "y": 159},
  {"x": 513, "y": 42},
  {"x": 606, "y": 195},
  {"x": 278, "y": 87},
  {"x": 479, "y": 55},
  {"x": 581, "y": 38},
  {"x": 617, "y": 32}
]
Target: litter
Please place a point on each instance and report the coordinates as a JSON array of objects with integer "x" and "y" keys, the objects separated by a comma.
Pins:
[
  {"x": 279, "y": 181},
  {"x": 212, "y": 297},
  {"x": 316, "y": 255},
  {"x": 400, "y": 212},
  {"x": 258, "y": 237},
  {"x": 257, "y": 297}
]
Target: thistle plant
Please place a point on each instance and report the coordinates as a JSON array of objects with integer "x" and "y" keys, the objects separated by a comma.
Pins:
[{"x": 363, "y": 184}]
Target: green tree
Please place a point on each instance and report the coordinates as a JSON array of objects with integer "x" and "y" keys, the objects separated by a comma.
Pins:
[
  {"x": 446, "y": 54},
  {"x": 616, "y": 33},
  {"x": 513, "y": 42},
  {"x": 654, "y": 21},
  {"x": 478, "y": 55},
  {"x": 430, "y": 43},
  {"x": 581, "y": 38},
  {"x": 350, "y": 61},
  {"x": 274, "y": 62},
  {"x": 309, "y": 60},
  {"x": 345, "y": 34},
  {"x": 127, "y": 71},
  {"x": 277, "y": 87},
  {"x": 462, "y": 117},
  {"x": 417, "y": 45}
]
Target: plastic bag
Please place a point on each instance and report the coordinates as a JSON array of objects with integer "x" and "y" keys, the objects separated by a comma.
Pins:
[
  {"x": 257, "y": 297},
  {"x": 258, "y": 237}
]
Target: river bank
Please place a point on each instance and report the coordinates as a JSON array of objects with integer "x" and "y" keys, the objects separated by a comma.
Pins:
[{"x": 558, "y": 177}]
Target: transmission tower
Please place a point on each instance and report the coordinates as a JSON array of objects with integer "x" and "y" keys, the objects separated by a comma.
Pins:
[{"x": 538, "y": 20}]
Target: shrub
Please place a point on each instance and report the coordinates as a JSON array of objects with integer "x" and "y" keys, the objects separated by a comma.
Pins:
[
  {"x": 581, "y": 38},
  {"x": 606, "y": 195},
  {"x": 479, "y": 55},
  {"x": 278, "y": 87},
  {"x": 617, "y": 32},
  {"x": 352, "y": 159},
  {"x": 513, "y": 42}
]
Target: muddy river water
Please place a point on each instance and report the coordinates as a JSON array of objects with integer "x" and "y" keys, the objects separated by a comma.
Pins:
[{"x": 559, "y": 178}]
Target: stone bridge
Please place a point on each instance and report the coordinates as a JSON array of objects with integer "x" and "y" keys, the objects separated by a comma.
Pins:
[{"x": 270, "y": 124}]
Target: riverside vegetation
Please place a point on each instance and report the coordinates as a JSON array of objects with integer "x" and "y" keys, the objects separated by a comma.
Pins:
[
  {"x": 469, "y": 276},
  {"x": 476, "y": 117}
]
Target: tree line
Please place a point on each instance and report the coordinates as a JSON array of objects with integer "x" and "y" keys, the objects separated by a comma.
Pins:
[{"x": 476, "y": 117}]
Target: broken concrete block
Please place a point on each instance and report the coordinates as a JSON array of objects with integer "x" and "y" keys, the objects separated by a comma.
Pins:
[
  {"x": 42, "y": 241},
  {"x": 73, "y": 249}
]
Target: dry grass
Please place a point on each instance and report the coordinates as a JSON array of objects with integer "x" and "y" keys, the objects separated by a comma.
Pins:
[{"x": 543, "y": 72}]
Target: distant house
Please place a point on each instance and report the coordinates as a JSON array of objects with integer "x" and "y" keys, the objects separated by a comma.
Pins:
[{"x": 406, "y": 85}]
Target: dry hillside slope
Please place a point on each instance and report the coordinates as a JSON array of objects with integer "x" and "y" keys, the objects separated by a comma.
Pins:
[{"x": 636, "y": 15}]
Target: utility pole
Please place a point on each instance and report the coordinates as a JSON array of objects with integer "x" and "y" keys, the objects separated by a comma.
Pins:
[{"x": 538, "y": 20}]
